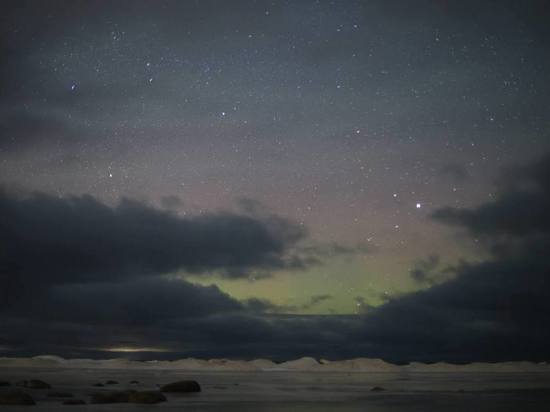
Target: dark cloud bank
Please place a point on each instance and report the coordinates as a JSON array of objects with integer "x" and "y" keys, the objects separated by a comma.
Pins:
[
  {"x": 79, "y": 239},
  {"x": 77, "y": 275}
]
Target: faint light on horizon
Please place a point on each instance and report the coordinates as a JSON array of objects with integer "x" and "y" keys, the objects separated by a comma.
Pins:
[{"x": 133, "y": 350}]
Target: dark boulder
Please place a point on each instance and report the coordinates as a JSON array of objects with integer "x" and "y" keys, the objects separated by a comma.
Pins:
[
  {"x": 134, "y": 382},
  {"x": 181, "y": 386},
  {"x": 5, "y": 383},
  {"x": 16, "y": 398},
  {"x": 111, "y": 382},
  {"x": 98, "y": 385},
  {"x": 377, "y": 389}
]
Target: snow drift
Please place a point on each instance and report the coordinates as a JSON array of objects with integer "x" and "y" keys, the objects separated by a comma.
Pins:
[{"x": 305, "y": 364}]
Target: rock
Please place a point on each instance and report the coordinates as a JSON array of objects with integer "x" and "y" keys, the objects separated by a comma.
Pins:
[
  {"x": 134, "y": 382},
  {"x": 111, "y": 382},
  {"x": 147, "y": 397},
  {"x": 16, "y": 398},
  {"x": 110, "y": 397},
  {"x": 377, "y": 389},
  {"x": 60, "y": 395},
  {"x": 98, "y": 385},
  {"x": 34, "y": 384},
  {"x": 74, "y": 402},
  {"x": 5, "y": 383},
  {"x": 181, "y": 386}
]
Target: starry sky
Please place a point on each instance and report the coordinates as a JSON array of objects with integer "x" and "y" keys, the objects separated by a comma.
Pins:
[{"x": 275, "y": 178}]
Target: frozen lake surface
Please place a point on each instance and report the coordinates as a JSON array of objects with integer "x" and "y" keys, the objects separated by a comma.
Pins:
[{"x": 298, "y": 391}]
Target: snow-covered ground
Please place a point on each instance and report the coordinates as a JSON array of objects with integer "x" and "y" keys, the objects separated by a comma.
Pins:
[
  {"x": 266, "y": 365},
  {"x": 303, "y": 385}
]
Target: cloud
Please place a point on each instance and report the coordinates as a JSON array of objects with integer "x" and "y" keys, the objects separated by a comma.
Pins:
[
  {"x": 520, "y": 210},
  {"x": 425, "y": 268},
  {"x": 492, "y": 311},
  {"x": 227, "y": 330},
  {"x": 125, "y": 304},
  {"x": 171, "y": 202},
  {"x": 431, "y": 270},
  {"x": 49, "y": 240}
]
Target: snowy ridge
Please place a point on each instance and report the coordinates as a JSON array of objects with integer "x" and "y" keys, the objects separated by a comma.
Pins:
[{"x": 303, "y": 364}]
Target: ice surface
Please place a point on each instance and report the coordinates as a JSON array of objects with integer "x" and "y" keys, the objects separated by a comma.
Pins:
[{"x": 303, "y": 385}]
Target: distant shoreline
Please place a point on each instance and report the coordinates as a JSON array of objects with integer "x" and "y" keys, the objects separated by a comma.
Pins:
[{"x": 305, "y": 364}]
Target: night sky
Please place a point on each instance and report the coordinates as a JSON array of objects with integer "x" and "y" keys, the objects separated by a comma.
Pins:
[{"x": 275, "y": 179}]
